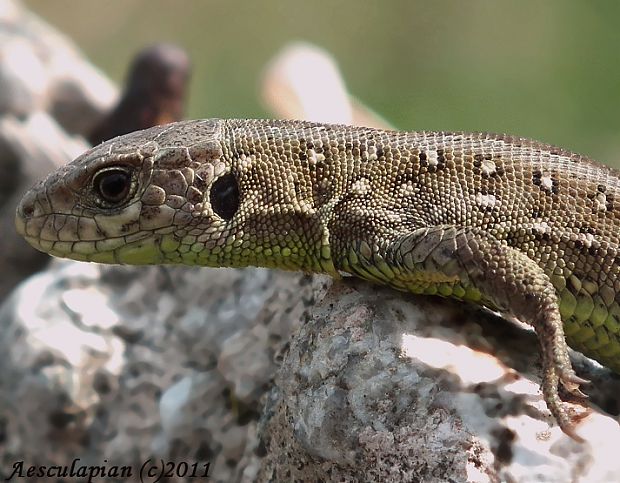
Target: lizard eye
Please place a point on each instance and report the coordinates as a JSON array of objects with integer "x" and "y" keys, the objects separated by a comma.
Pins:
[
  {"x": 225, "y": 196},
  {"x": 112, "y": 185}
]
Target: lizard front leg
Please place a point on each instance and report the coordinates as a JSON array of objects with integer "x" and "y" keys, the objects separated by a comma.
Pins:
[{"x": 481, "y": 268}]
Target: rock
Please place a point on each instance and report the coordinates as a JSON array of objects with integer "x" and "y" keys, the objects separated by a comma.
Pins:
[
  {"x": 303, "y": 81},
  {"x": 141, "y": 377},
  {"x": 29, "y": 149},
  {"x": 41, "y": 69},
  {"x": 22, "y": 77},
  {"x": 155, "y": 93},
  {"x": 377, "y": 385},
  {"x": 381, "y": 386}
]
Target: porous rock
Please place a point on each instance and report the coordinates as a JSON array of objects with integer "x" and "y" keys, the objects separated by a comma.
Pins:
[
  {"x": 381, "y": 386},
  {"x": 119, "y": 364}
]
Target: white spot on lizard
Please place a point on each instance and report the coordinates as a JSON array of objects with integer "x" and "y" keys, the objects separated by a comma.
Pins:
[
  {"x": 587, "y": 239},
  {"x": 486, "y": 201},
  {"x": 546, "y": 182},
  {"x": 541, "y": 227},
  {"x": 488, "y": 167},
  {"x": 394, "y": 217},
  {"x": 361, "y": 186},
  {"x": 600, "y": 203},
  {"x": 431, "y": 158},
  {"x": 372, "y": 153},
  {"x": 314, "y": 158},
  {"x": 407, "y": 189}
]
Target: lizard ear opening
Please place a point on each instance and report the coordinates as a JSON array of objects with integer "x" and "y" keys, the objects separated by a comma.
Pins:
[{"x": 224, "y": 196}]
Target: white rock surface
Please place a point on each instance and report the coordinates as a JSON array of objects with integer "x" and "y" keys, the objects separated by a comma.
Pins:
[
  {"x": 378, "y": 386},
  {"x": 116, "y": 363}
]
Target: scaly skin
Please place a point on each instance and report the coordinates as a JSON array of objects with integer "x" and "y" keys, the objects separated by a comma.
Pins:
[{"x": 504, "y": 222}]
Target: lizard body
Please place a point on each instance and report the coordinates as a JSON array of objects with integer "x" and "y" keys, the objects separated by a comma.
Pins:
[{"x": 505, "y": 222}]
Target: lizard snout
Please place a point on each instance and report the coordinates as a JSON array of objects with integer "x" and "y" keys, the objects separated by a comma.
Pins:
[{"x": 27, "y": 207}]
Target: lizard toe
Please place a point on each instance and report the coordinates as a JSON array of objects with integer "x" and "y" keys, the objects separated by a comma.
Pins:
[{"x": 572, "y": 381}]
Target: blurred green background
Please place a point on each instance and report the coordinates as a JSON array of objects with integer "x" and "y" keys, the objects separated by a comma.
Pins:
[{"x": 547, "y": 70}]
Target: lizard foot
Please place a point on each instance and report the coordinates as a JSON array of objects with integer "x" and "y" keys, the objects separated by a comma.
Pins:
[{"x": 550, "y": 384}]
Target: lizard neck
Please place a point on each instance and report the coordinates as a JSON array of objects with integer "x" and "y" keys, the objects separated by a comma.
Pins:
[
  {"x": 296, "y": 241},
  {"x": 286, "y": 195}
]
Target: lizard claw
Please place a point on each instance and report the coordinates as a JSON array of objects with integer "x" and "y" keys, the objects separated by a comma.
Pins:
[
  {"x": 569, "y": 429},
  {"x": 575, "y": 379},
  {"x": 579, "y": 393},
  {"x": 572, "y": 381},
  {"x": 569, "y": 377}
]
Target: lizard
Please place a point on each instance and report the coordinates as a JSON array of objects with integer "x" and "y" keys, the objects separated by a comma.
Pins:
[{"x": 517, "y": 226}]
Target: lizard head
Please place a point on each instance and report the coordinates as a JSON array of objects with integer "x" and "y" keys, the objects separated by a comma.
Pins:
[{"x": 144, "y": 198}]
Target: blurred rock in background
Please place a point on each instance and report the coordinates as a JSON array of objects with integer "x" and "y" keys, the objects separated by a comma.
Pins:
[
  {"x": 53, "y": 103},
  {"x": 303, "y": 81},
  {"x": 156, "y": 93},
  {"x": 50, "y": 98}
]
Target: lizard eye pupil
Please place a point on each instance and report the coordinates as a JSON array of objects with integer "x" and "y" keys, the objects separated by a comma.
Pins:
[
  {"x": 225, "y": 196},
  {"x": 112, "y": 185}
]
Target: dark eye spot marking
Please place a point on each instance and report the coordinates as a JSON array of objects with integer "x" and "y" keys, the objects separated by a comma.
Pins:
[
  {"x": 480, "y": 157},
  {"x": 610, "y": 202},
  {"x": 440, "y": 156},
  {"x": 224, "y": 196},
  {"x": 113, "y": 185},
  {"x": 587, "y": 229}
]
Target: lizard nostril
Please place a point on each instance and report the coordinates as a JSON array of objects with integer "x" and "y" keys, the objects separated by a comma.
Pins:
[
  {"x": 28, "y": 211},
  {"x": 26, "y": 207}
]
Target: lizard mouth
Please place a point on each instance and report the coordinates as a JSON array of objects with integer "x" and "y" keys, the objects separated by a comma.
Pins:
[
  {"x": 82, "y": 241},
  {"x": 98, "y": 238},
  {"x": 137, "y": 249},
  {"x": 20, "y": 224},
  {"x": 101, "y": 238}
]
